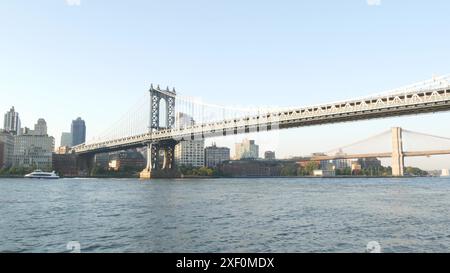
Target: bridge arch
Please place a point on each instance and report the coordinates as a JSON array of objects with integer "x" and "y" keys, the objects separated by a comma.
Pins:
[{"x": 163, "y": 120}]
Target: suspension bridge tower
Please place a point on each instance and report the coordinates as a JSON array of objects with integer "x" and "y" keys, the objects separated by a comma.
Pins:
[
  {"x": 398, "y": 157},
  {"x": 161, "y": 155}
]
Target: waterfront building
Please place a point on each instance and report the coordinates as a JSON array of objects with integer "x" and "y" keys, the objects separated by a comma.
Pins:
[
  {"x": 63, "y": 150},
  {"x": 247, "y": 149},
  {"x": 11, "y": 122},
  {"x": 33, "y": 151},
  {"x": 250, "y": 168},
  {"x": 34, "y": 148},
  {"x": 65, "y": 164},
  {"x": 323, "y": 164},
  {"x": 340, "y": 164},
  {"x": 102, "y": 161},
  {"x": 78, "y": 132},
  {"x": 189, "y": 152},
  {"x": 123, "y": 160},
  {"x": 269, "y": 155},
  {"x": 216, "y": 155},
  {"x": 66, "y": 139},
  {"x": 6, "y": 149},
  {"x": 2, "y": 155}
]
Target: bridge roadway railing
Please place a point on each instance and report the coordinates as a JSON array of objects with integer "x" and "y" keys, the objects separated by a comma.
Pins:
[{"x": 424, "y": 101}]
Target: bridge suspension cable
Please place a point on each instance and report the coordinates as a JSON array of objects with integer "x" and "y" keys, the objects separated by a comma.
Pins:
[
  {"x": 415, "y": 141},
  {"x": 202, "y": 112},
  {"x": 135, "y": 121},
  {"x": 377, "y": 143},
  {"x": 412, "y": 142}
]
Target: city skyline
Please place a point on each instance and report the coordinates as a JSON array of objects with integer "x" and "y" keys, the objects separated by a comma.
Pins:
[{"x": 313, "y": 52}]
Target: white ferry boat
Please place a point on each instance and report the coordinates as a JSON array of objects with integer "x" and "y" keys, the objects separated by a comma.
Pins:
[{"x": 42, "y": 175}]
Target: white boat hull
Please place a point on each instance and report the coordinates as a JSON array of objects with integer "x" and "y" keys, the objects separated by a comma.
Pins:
[
  {"x": 38, "y": 174},
  {"x": 33, "y": 177}
]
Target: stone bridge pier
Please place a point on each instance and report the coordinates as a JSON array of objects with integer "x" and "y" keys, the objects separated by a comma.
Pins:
[{"x": 160, "y": 161}]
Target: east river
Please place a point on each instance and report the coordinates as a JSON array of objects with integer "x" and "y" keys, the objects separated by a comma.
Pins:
[{"x": 225, "y": 215}]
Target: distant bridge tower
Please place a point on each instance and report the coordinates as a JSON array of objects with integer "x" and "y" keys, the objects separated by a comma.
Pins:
[
  {"x": 161, "y": 100},
  {"x": 398, "y": 157}
]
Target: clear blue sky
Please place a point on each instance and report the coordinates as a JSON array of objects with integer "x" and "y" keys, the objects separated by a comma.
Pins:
[{"x": 94, "y": 58}]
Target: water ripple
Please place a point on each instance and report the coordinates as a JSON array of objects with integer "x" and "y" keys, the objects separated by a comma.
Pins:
[{"x": 226, "y": 215}]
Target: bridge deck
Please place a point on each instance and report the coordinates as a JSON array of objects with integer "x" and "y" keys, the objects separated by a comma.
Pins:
[{"x": 409, "y": 103}]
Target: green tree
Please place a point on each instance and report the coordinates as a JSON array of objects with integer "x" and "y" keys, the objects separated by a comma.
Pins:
[
  {"x": 199, "y": 171},
  {"x": 289, "y": 170},
  {"x": 94, "y": 171},
  {"x": 347, "y": 171},
  {"x": 415, "y": 171},
  {"x": 311, "y": 167}
]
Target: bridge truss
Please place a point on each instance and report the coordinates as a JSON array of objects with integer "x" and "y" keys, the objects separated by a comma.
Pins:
[{"x": 424, "y": 97}]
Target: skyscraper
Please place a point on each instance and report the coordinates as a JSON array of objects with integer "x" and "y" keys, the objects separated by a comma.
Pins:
[
  {"x": 269, "y": 155},
  {"x": 247, "y": 150},
  {"x": 66, "y": 139},
  {"x": 40, "y": 128},
  {"x": 78, "y": 132},
  {"x": 216, "y": 155},
  {"x": 12, "y": 122}
]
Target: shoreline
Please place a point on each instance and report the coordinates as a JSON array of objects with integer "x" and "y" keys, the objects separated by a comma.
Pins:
[
  {"x": 308, "y": 177},
  {"x": 242, "y": 177}
]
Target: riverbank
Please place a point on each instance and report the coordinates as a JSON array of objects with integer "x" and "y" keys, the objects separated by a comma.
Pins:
[
  {"x": 309, "y": 177},
  {"x": 241, "y": 177},
  {"x": 11, "y": 176}
]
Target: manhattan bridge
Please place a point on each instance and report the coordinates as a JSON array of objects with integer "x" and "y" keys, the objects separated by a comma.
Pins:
[{"x": 165, "y": 118}]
